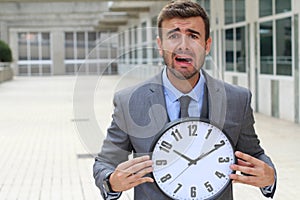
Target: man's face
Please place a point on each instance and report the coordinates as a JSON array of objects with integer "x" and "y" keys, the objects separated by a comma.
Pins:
[{"x": 183, "y": 46}]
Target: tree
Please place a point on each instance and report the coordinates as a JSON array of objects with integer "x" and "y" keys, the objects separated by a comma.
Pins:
[{"x": 5, "y": 52}]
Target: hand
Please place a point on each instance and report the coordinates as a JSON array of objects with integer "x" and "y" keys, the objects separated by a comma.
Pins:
[
  {"x": 130, "y": 174},
  {"x": 260, "y": 173},
  {"x": 216, "y": 146},
  {"x": 183, "y": 156}
]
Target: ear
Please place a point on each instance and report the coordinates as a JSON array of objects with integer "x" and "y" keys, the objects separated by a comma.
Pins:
[
  {"x": 208, "y": 45},
  {"x": 159, "y": 45}
]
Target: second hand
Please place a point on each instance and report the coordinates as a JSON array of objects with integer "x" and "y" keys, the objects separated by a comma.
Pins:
[{"x": 181, "y": 172}]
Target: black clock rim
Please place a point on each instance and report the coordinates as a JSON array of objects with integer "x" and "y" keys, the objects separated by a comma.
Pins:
[
  {"x": 180, "y": 120},
  {"x": 187, "y": 119}
]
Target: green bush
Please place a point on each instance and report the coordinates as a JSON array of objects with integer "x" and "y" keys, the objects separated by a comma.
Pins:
[{"x": 5, "y": 52}]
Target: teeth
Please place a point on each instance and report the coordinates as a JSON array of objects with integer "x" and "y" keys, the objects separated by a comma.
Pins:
[{"x": 188, "y": 60}]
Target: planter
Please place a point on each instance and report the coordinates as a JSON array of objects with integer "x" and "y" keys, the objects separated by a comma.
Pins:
[{"x": 6, "y": 72}]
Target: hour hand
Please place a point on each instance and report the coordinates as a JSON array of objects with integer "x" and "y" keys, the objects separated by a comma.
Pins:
[{"x": 183, "y": 156}]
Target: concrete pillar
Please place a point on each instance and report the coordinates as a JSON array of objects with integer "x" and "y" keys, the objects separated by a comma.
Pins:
[
  {"x": 13, "y": 42},
  {"x": 252, "y": 9},
  {"x": 217, "y": 23},
  {"x": 58, "y": 53},
  {"x": 296, "y": 9},
  {"x": 4, "y": 31}
]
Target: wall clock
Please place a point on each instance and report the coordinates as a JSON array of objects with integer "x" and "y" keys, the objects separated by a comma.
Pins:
[{"x": 191, "y": 160}]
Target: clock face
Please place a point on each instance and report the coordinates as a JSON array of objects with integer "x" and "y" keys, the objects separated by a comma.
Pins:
[{"x": 191, "y": 160}]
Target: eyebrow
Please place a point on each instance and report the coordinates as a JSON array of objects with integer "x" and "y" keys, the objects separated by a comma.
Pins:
[
  {"x": 178, "y": 29},
  {"x": 173, "y": 31}
]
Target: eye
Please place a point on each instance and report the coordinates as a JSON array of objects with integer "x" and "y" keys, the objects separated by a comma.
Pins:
[
  {"x": 194, "y": 36},
  {"x": 174, "y": 36}
]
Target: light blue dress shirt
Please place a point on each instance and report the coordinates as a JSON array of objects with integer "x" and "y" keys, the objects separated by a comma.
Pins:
[{"x": 172, "y": 95}]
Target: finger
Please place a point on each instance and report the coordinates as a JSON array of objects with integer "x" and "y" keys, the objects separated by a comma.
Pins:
[
  {"x": 244, "y": 163},
  {"x": 139, "y": 166},
  {"x": 245, "y": 169},
  {"x": 248, "y": 158},
  {"x": 249, "y": 180},
  {"x": 133, "y": 161},
  {"x": 140, "y": 181},
  {"x": 140, "y": 174}
]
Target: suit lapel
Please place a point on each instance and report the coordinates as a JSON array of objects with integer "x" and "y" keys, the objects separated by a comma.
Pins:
[
  {"x": 157, "y": 101},
  {"x": 216, "y": 101}
]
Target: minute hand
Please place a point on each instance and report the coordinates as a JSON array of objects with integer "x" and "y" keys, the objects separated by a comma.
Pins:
[{"x": 216, "y": 146}]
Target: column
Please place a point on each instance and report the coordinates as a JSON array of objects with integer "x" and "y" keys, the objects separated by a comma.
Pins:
[{"x": 58, "y": 52}]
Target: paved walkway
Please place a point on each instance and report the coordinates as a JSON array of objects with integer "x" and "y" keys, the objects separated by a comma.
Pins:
[{"x": 42, "y": 156}]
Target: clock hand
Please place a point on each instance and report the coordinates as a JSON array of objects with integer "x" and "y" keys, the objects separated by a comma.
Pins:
[
  {"x": 183, "y": 156},
  {"x": 216, "y": 146},
  {"x": 180, "y": 174}
]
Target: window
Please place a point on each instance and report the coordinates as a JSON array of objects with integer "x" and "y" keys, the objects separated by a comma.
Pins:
[
  {"x": 34, "y": 53},
  {"x": 284, "y": 47},
  {"x": 85, "y": 51},
  {"x": 283, "y": 6},
  {"x": 281, "y": 64},
  {"x": 235, "y": 54},
  {"x": 130, "y": 45},
  {"x": 266, "y": 48},
  {"x": 144, "y": 41},
  {"x": 155, "y": 53},
  {"x": 266, "y": 7},
  {"x": 22, "y": 46},
  {"x": 122, "y": 56},
  {"x": 135, "y": 35},
  {"x": 92, "y": 39},
  {"x": 205, "y": 4},
  {"x": 45, "y": 46},
  {"x": 69, "y": 45},
  {"x": 80, "y": 45},
  {"x": 234, "y": 11}
]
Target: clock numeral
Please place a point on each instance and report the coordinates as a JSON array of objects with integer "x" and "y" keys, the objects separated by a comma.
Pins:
[
  {"x": 224, "y": 160},
  {"x": 176, "y": 135},
  {"x": 208, "y": 186},
  {"x": 208, "y": 133},
  {"x": 161, "y": 162},
  {"x": 178, "y": 187},
  {"x": 220, "y": 175},
  {"x": 193, "y": 192},
  {"x": 192, "y": 130},
  {"x": 222, "y": 143},
  {"x": 165, "y": 178},
  {"x": 165, "y": 146}
]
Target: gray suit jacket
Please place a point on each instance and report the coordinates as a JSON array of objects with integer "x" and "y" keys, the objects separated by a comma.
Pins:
[{"x": 140, "y": 113}]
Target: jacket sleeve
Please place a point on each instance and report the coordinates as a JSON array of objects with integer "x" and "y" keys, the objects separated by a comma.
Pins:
[
  {"x": 249, "y": 143},
  {"x": 115, "y": 149}
]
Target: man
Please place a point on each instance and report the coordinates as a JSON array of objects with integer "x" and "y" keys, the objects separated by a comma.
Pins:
[{"x": 142, "y": 111}]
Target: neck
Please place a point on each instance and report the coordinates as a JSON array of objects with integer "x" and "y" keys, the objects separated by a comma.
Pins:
[{"x": 183, "y": 85}]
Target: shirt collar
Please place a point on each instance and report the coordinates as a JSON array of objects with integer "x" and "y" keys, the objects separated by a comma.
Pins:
[{"x": 174, "y": 94}]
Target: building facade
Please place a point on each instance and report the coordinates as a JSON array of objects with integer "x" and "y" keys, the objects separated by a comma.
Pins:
[{"x": 255, "y": 43}]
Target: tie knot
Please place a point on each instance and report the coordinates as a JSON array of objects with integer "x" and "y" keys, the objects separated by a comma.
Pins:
[{"x": 184, "y": 106}]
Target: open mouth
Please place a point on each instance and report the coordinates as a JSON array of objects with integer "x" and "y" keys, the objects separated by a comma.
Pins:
[{"x": 183, "y": 59}]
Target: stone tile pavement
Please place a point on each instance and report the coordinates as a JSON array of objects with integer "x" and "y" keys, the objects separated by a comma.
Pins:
[{"x": 43, "y": 157}]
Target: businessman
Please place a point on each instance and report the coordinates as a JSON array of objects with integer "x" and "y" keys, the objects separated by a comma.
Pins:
[{"x": 140, "y": 112}]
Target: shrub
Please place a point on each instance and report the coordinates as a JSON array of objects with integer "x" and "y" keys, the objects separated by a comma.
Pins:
[{"x": 5, "y": 52}]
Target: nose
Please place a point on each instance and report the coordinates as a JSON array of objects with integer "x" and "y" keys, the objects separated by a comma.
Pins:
[{"x": 184, "y": 43}]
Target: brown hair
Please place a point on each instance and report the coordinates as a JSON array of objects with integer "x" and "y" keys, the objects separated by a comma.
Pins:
[{"x": 183, "y": 9}]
